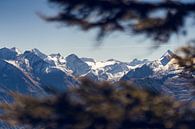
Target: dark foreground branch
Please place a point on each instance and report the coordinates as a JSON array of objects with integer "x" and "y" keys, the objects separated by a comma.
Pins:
[{"x": 157, "y": 20}]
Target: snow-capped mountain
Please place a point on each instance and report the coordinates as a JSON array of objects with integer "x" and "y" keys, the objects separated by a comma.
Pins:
[
  {"x": 111, "y": 70},
  {"x": 163, "y": 75},
  {"x": 33, "y": 72},
  {"x": 165, "y": 59},
  {"x": 32, "y": 69}
]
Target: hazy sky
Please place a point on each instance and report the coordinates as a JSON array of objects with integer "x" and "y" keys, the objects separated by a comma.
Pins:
[{"x": 20, "y": 27}]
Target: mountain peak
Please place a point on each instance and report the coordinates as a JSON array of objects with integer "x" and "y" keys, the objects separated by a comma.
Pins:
[
  {"x": 55, "y": 55},
  {"x": 38, "y": 53},
  {"x": 168, "y": 53},
  {"x": 35, "y": 50},
  {"x": 16, "y": 50},
  {"x": 77, "y": 65},
  {"x": 72, "y": 57},
  {"x": 5, "y": 49},
  {"x": 8, "y": 54},
  {"x": 114, "y": 60},
  {"x": 135, "y": 62},
  {"x": 166, "y": 58}
]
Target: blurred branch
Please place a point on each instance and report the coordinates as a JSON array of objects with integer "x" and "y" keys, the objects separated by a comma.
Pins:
[
  {"x": 186, "y": 57},
  {"x": 100, "y": 106},
  {"x": 157, "y": 20}
]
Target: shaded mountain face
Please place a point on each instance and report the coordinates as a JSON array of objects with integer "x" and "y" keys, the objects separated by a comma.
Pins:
[
  {"x": 36, "y": 61},
  {"x": 13, "y": 79},
  {"x": 140, "y": 72},
  {"x": 166, "y": 58},
  {"x": 77, "y": 65}
]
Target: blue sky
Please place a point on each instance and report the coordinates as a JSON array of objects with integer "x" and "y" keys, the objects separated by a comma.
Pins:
[{"x": 20, "y": 27}]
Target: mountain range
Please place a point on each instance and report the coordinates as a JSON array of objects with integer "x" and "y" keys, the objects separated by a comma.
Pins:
[{"x": 32, "y": 72}]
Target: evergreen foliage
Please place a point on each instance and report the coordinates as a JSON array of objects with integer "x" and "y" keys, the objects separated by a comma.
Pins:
[{"x": 100, "y": 106}]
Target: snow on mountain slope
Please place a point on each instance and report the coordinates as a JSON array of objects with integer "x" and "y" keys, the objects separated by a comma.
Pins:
[
  {"x": 13, "y": 79},
  {"x": 40, "y": 68},
  {"x": 111, "y": 70},
  {"x": 57, "y": 59},
  {"x": 181, "y": 87},
  {"x": 162, "y": 75},
  {"x": 100, "y": 64}
]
